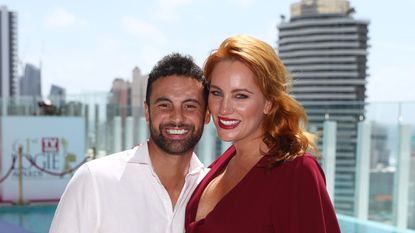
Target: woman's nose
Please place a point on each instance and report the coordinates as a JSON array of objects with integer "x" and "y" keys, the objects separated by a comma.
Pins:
[{"x": 226, "y": 106}]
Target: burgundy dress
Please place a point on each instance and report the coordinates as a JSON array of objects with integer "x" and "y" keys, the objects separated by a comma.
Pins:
[{"x": 290, "y": 198}]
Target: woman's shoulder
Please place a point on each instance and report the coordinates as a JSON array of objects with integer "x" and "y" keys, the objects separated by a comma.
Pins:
[
  {"x": 306, "y": 160},
  {"x": 303, "y": 171},
  {"x": 303, "y": 165},
  {"x": 307, "y": 168}
]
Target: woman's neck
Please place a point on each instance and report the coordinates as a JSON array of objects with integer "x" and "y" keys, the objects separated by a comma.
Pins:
[
  {"x": 250, "y": 151},
  {"x": 248, "y": 154}
]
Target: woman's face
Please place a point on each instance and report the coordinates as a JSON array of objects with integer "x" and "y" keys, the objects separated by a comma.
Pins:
[{"x": 236, "y": 103}]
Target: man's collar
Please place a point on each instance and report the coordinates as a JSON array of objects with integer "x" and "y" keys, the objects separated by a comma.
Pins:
[
  {"x": 140, "y": 154},
  {"x": 195, "y": 165}
]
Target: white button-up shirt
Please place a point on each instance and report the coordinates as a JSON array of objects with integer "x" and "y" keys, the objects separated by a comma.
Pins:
[{"x": 121, "y": 193}]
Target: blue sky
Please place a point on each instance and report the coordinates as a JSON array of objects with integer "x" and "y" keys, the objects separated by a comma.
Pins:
[{"x": 84, "y": 45}]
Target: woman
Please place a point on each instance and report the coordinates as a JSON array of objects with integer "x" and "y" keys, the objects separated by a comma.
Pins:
[{"x": 266, "y": 181}]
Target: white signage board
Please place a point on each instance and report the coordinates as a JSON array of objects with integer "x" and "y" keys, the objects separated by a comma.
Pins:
[{"x": 53, "y": 147}]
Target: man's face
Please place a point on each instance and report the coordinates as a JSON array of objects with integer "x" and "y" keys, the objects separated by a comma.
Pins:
[{"x": 176, "y": 114}]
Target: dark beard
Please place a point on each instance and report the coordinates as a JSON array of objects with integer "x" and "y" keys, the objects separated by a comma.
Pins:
[{"x": 175, "y": 147}]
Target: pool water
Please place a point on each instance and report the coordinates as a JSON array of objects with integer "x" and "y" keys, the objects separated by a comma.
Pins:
[
  {"x": 37, "y": 219},
  {"x": 353, "y": 225}
]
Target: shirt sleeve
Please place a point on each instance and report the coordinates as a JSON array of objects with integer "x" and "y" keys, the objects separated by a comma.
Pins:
[
  {"x": 314, "y": 208},
  {"x": 77, "y": 211}
]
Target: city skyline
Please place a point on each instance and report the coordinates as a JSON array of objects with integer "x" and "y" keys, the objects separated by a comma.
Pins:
[
  {"x": 93, "y": 43},
  {"x": 325, "y": 48}
]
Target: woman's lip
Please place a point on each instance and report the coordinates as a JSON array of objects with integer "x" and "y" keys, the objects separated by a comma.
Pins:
[
  {"x": 226, "y": 119},
  {"x": 228, "y": 123}
]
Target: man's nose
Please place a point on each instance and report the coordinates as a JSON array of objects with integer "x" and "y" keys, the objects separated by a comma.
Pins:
[{"x": 177, "y": 115}]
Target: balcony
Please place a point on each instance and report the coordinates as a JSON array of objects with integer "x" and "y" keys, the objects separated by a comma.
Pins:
[{"x": 369, "y": 165}]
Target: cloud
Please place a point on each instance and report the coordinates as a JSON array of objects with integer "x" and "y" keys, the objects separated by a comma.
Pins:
[
  {"x": 270, "y": 33},
  {"x": 379, "y": 88},
  {"x": 167, "y": 10},
  {"x": 108, "y": 46},
  {"x": 174, "y": 3},
  {"x": 142, "y": 30},
  {"x": 242, "y": 3},
  {"x": 60, "y": 18}
]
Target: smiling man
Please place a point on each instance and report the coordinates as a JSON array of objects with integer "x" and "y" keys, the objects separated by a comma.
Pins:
[{"x": 145, "y": 189}]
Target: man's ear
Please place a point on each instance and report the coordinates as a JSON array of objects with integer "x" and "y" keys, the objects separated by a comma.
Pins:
[{"x": 146, "y": 111}]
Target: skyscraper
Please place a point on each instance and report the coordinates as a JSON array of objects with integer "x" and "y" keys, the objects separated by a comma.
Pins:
[
  {"x": 325, "y": 49},
  {"x": 118, "y": 107},
  {"x": 30, "y": 83},
  {"x": 138, "y": 95},
  {"x": 8, "y": 53},
  {"x": 138, "y": 88},
  {"x": 57, "y": 95},
  {"x": 121, "y": 94}
]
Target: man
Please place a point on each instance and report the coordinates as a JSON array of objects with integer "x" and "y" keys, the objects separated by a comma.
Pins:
[{"x": 145, "y": 189}]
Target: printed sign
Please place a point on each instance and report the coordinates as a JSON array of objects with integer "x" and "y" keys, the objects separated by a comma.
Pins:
[{"x": 51, "y": 150}]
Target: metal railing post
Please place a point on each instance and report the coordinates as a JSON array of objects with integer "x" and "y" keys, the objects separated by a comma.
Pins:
[
  {"x": 329, "y": 155},
  {"x": 20, "y": 168},
  {"x": 364, "y": 132},
  {"x": 401, "y": 180}
]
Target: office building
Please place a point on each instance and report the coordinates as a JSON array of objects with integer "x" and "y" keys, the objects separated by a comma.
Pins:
[
  {"x": 8, "y": 53},
  {"x": 138, "y": 88},
  {"x": 57, "y": 96},
  {"x": 30, "y": 82},
  {"x": 118, "y": 108},
  {"x": 121, "y": 95},
  {"x": 380, "y": 151},
  {"x": 381, "y": 195},
  {"x": 138, "y": 96},
  {"x": 325, "y": 49}
]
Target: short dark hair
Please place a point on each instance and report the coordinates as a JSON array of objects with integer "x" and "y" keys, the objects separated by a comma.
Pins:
[{"x": 177, "y": 64}]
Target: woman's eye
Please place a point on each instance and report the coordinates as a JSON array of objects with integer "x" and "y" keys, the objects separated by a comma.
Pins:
[
  {"x": 241, "y": 96},
  {"x": 215, "y": 93}
]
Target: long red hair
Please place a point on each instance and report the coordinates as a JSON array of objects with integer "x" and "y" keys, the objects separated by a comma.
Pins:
[{"x": 284, "y": 126}]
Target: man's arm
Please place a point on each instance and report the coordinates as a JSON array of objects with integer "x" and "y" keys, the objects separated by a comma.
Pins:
[{"x": 77, "y": 211}]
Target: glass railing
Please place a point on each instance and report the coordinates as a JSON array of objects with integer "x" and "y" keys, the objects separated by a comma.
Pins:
[{"x": 368, "y": 149}]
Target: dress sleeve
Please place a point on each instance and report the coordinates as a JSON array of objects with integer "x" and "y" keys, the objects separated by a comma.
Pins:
[
  {"x": 77, "y": 211},
  {"x": 314, "y": 209}
]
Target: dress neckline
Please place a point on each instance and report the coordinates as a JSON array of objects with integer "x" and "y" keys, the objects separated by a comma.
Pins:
[{"x": 216, "y": 170}]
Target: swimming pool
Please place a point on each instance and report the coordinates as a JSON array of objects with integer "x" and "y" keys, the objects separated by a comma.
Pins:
[
  {"x": 353, "y": 225},
  {"x": 37, "y": 218}
]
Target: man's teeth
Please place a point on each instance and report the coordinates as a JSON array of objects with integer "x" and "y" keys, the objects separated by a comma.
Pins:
[
  {"x": 176, "y": 131},
  {"x": 229, "y": 122}
]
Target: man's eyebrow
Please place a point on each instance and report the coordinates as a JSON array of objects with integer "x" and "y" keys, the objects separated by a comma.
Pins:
[
  {"x": 192, "y": 100},
  {"x": 161, "y": 99}
]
